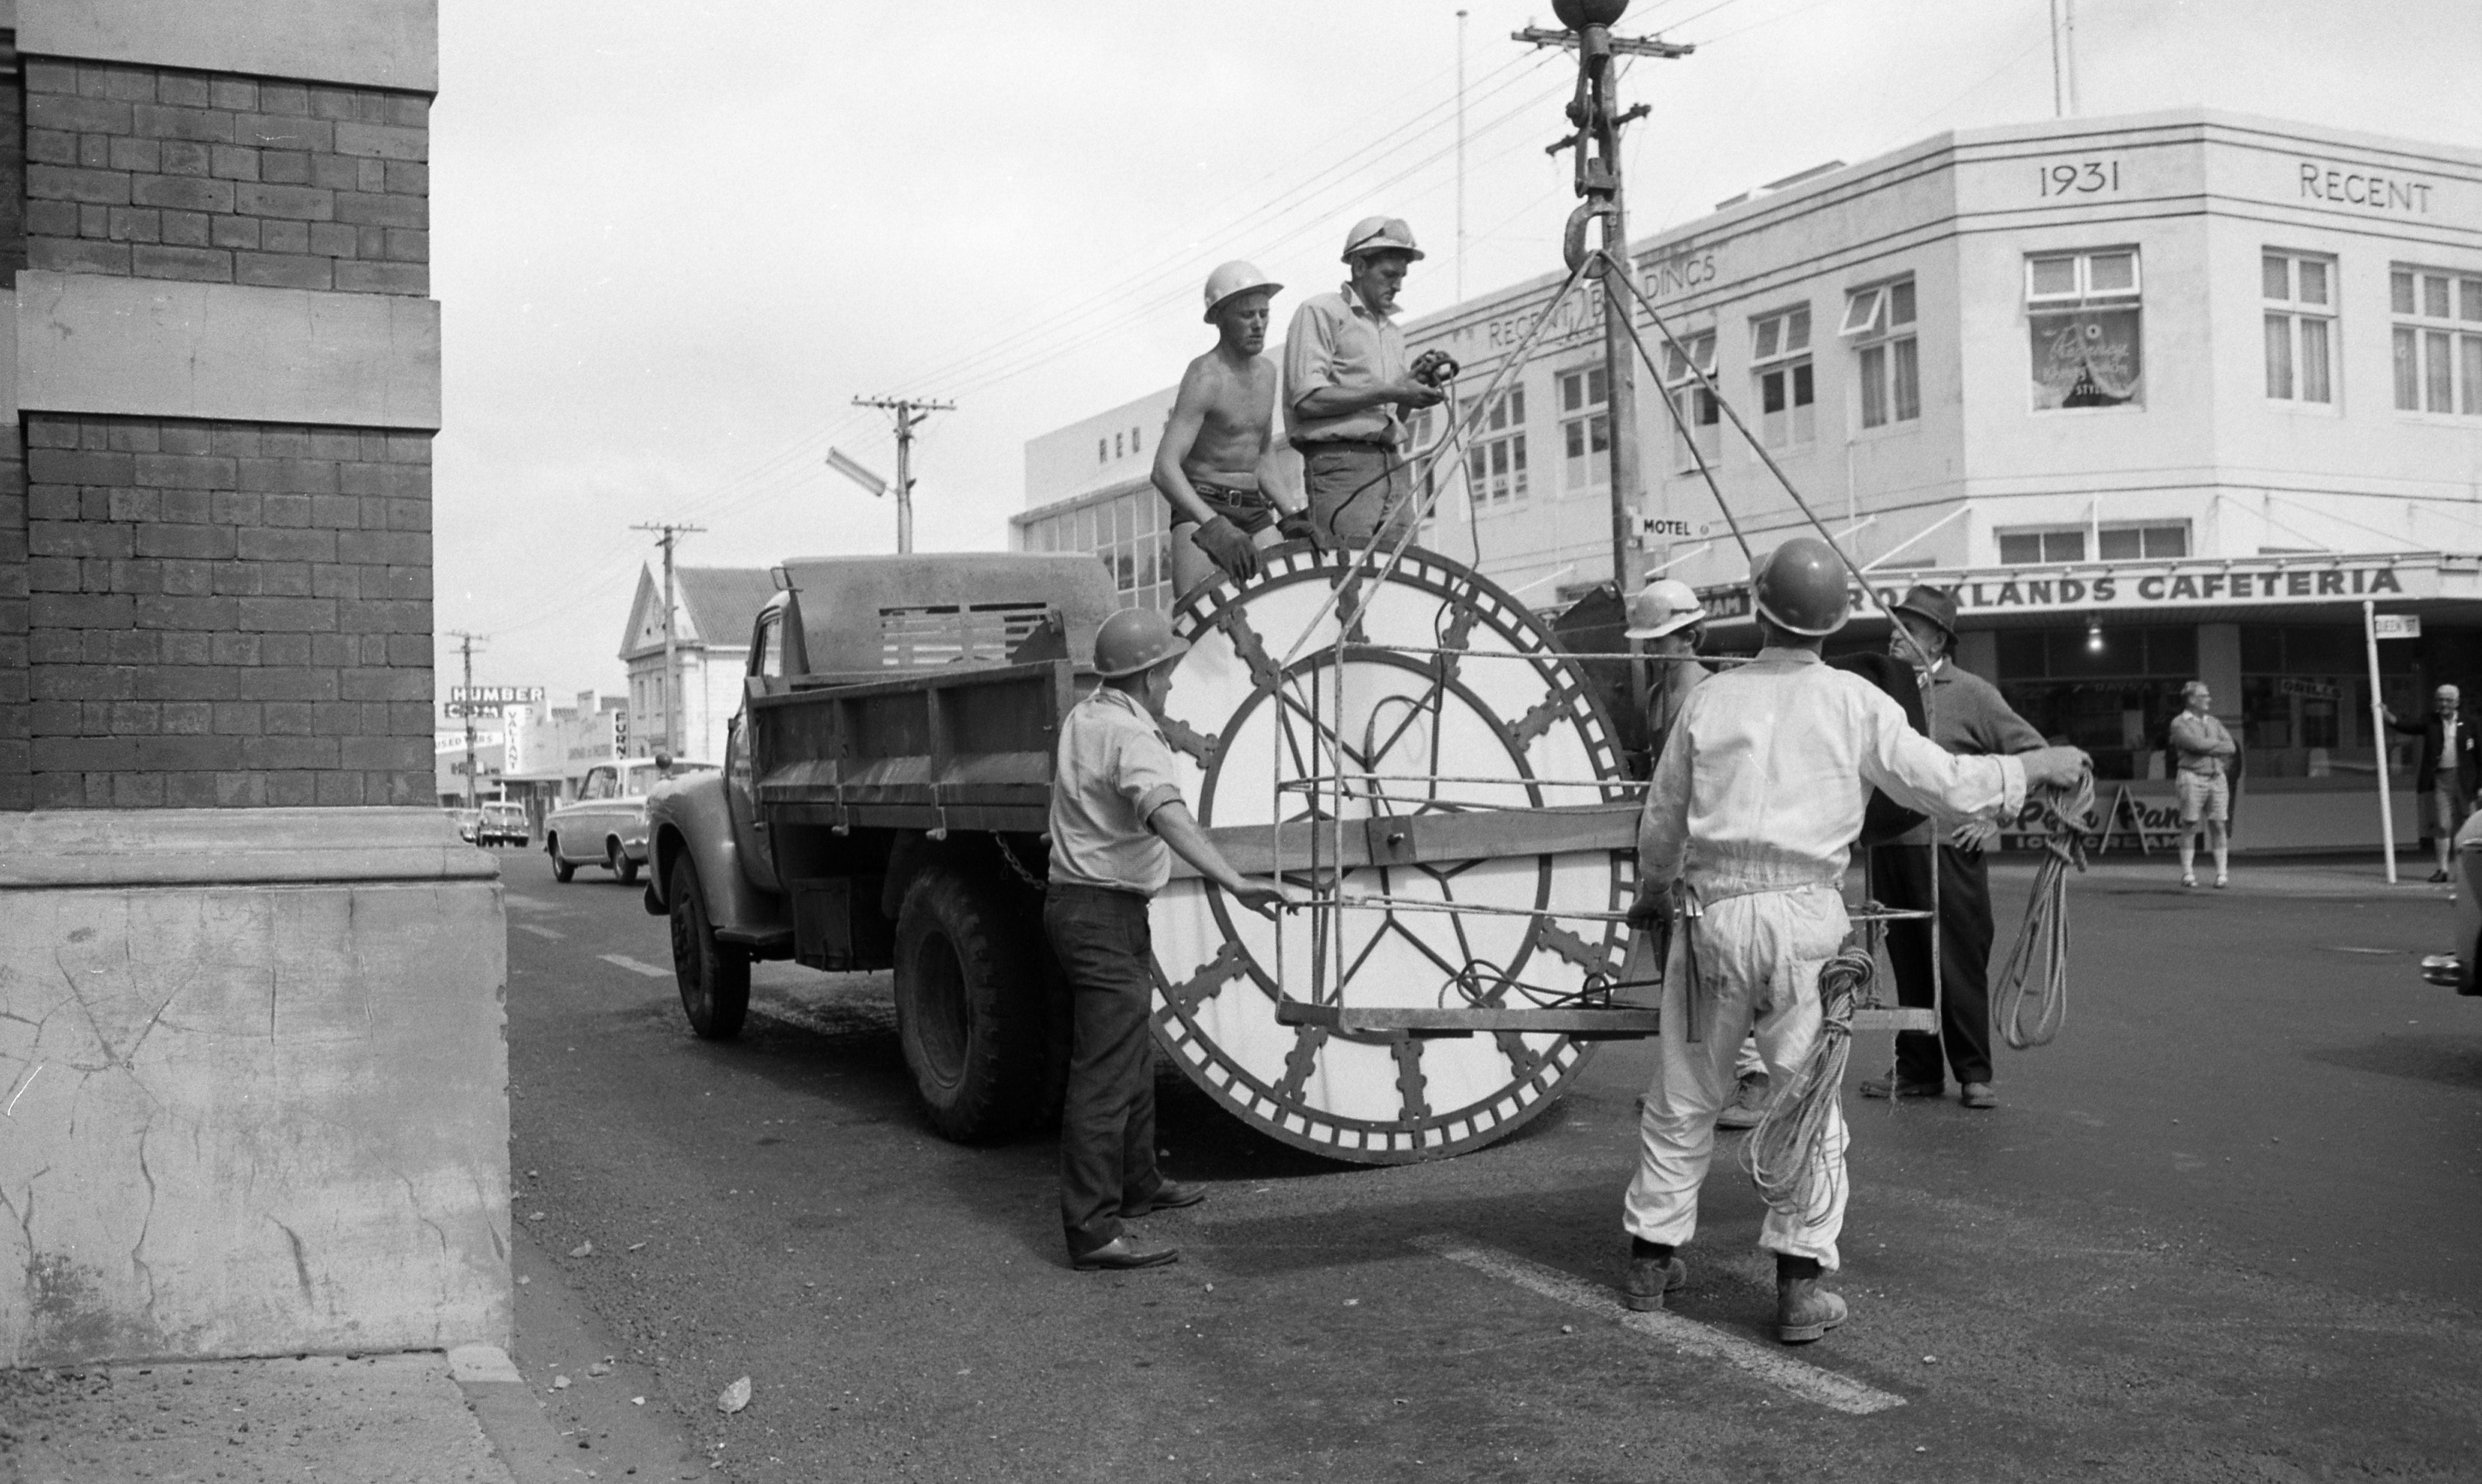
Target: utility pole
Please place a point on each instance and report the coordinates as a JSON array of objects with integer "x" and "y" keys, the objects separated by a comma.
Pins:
[
  {"x": 465, "y": 645},
  {"x": 910, "y": 412},
  {"x": 1597, "y": 143},
  {"x": 668, "y": 535},
  {"x": 1461, "y": 157}
]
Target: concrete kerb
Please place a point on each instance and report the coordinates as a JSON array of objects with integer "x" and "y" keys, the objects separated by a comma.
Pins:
[{"x": 523, "y": 1438}]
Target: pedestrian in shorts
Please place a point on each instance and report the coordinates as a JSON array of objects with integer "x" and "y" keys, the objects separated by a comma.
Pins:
[{"x": 2203, "y": 752}]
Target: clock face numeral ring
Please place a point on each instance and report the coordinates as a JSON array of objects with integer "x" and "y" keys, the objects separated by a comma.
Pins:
[{"x": 1451, "y": 713}]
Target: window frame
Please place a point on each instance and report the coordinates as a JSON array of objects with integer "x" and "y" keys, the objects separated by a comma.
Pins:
[
  {"x": 2458, "y": 330},
  {"x": 1788, "y": 361},
  {"x": 1691, "y": 398},
  {"x": 2297, "y": 313},
  {"x": 1588, "y": 423},
  {"x": 1879, "y": 365},
  {"x": 1499, "y": 435},
  {"x": 2083, "y": 296}
]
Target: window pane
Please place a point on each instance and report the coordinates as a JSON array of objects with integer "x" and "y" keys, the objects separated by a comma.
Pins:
[
  {"x": 1900, "y": 304},
  {"x": 2055, "y": 275},
  {"x": 2121, "y": 545},
  {"x": 1601, "y": 436},
  {"x": 2469, "y": 371},
  {"x": 1499, "y": 458},
  {"x": 2408, "y": 375},
  {"x": 2019, "y": 549},
  {"x": 1517, "y": 460},
  {"x": 1862, "y": 312},
  {"x": 2400, "y": 291},
  {"x": 2468, "y": 298},
  {"x": 1702, "y": 351},
  {"x": 1766, "y": 340},
  {"x": 1803, "y": 392},
  {"x": 2088, "y": 358},
  {"x": 2275, "y": 276},
  {"x": 1797, "y": 330},
  {"x": 1771, "y": 391},
  {"x": 1596, "y": 391},
  {"x": 1517, "y": 406},
  {"x": 2112, "y": 272},
  {"x": 1573, "y": 438},
  {"x": 1874, "y": 388},
  {"x": 1572, "y": 387},
  {"x": 1907, "y": 381},
  {"x": 2314, "y": 385},
  {"x": 2313, "y": 281},
  {"x": 2434, "y": 297},
  {"x": 1475, "y": 468},
  {"x": 2166, "y": 541},
  {"x": 1674, "y": 365},
  {"x": 2279, "y": 353},
  {"x": 2434, "y": 371},
  {"x": 2064, "y": 546}
]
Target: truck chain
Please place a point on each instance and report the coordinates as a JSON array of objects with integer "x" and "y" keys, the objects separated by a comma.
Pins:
[{"x": 1015, "y": 865}]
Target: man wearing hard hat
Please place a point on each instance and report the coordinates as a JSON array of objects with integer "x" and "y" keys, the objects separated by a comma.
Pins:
[
  {"x": 1116, "y": 806},
  {"x": 1215, "y": 462},
  {"x": 1749, "y": 826},
  {"x": 1346, "y": 383}
]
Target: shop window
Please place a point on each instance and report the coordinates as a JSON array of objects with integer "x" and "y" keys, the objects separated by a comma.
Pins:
[
  {"x": 1585, "y": 431},
  {"x": 1495, "y": 463},
  {"x": 2082, "y": 317},
  {"x": 2437, "y": 337},
  {"x": 2028, "y": 548},
  {"x": 1779, "y": 362},
  {"x": 1886, "y": 353},
  {"x": 2150, "y": 543},
  {"x": 1102, "y": 452},
  {"x": 1699, "y": 412},
  {"x": 2300, "y": 293}
]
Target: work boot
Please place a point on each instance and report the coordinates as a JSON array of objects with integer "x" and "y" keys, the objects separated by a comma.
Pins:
[
  {"x": 1652, "y": 1272},
  {"x": 1879, "y": 1088},
  {"x": 1804, "y": 1311},
  {"x": 1748, "y": 1106}
]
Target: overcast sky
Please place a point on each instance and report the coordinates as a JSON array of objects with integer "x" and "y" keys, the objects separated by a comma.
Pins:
[{"x": 675, "y": 240}]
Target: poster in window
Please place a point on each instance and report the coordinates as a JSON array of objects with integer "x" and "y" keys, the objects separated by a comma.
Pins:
[{"x": 2087, "y": 358}]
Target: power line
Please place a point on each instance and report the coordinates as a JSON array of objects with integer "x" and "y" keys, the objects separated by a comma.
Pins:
[{"x": 910, "y": 413}]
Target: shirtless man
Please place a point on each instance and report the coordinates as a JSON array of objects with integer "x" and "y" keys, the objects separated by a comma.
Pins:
[{"x": 1215, "y": 462}]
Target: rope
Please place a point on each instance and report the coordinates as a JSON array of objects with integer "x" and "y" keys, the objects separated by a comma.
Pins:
[
  {"x": 1788, "y": 1152},
  {"x": 2035, "y": 983}
]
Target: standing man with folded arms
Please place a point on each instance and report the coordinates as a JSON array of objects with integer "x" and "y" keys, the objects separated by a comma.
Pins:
[
  {"x": 1117, "y": 820},
  {"x": 1346, "y": 384},
  {"x": 1215, "y": 462},
  {"x": 2203, "y": 752}
]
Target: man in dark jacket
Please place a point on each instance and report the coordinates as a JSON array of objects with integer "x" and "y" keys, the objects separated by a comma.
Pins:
[
  {"x": 1968, "y": 718},
  {"x": 2450, "y": 768}
]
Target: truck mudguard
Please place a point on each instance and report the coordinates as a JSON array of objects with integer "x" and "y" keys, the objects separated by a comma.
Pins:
[{"x": 692, "y": 814}]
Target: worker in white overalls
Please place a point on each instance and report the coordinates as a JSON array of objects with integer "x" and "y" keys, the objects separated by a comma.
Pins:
[{"x": 1749, "y": 826}]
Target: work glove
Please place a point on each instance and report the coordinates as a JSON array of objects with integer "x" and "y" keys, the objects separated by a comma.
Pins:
[
  {"x": 1652, "y": 910},
  {"x": 1297, "y": 526},
  {"x": 1228, "y": 548}
]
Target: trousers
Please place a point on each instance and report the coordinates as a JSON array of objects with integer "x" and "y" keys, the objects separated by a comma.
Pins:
[
  {"x": 1361, "y": 493},
  {"x": 1760, "y": 955},
  {"x": 1107, "y": 1119},
  {"x": 1901, "y": 876}
]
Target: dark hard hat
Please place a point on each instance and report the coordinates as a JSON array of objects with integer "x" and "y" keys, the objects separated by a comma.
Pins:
[
  {"x": 1135, "y": 640},
  {"x": 1801, "y": 587},
  {"x": 1936, "y": 604}
]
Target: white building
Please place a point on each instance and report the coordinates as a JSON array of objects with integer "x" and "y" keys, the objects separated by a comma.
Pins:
[
  {"x": 2161, "y": 396},
  {"x": 713, "y": 610}
]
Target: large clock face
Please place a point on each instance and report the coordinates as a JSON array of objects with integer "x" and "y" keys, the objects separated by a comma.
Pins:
[{"x": 1435, "y": 740}]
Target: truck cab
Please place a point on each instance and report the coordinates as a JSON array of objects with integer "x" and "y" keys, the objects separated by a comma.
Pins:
[{"x": 882, "y": 804}]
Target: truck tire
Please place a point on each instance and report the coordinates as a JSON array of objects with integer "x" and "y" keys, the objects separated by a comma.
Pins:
[
  {"x": 714, "y": 978},
  {"x": 968, "y": 1006},
  {"x": 561, "y": 869}
]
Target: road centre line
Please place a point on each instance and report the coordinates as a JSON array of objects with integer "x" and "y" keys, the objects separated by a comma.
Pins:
[
  {"x": 624, "y": 961},
  {"x": 538, "y": 932},
  {"x": 520, "y": 900},
  {"x": 1806, "y": 1381}
]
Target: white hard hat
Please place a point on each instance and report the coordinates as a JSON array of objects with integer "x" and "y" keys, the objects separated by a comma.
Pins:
[
  {"x": 1380, "y": 234},
  {"x": 1232, "y": 280},
  {"x": 1662, "y": 608}
]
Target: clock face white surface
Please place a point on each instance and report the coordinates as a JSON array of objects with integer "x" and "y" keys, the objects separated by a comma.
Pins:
[{"x": 1255, "y": 711}]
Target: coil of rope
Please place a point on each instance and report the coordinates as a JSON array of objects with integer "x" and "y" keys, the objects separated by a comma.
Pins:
[
  {"x": 1786, "y": 1154},
  {"x": 2033, "y": 992}
]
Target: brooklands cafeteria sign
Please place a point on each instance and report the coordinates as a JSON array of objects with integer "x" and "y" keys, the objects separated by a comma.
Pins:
[{"x": 2137, "y": 585}]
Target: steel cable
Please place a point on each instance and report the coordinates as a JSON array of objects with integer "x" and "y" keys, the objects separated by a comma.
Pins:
[{"x": 1787, "y": 1154}]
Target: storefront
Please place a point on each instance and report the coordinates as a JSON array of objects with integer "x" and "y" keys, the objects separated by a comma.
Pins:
[{"x": 2096, "y": 654}]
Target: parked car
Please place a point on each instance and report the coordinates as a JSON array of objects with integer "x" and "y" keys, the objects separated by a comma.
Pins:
[
  {"x": 504, "y": 823},
  {"x": 2456, "y": 970},
  {"x": 606, "y": 824}
]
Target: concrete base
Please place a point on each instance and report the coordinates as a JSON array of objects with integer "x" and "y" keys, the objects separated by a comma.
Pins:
[{"x": 253, "y": 1084}]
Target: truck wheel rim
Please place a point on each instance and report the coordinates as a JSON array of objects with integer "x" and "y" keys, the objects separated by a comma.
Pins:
[
  {"x": 1384, "y": 1099},
  {"x": 938, "y": 1017}
]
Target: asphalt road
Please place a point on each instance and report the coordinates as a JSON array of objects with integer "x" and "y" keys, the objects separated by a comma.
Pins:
[{"x": 2223, "y": 1229}]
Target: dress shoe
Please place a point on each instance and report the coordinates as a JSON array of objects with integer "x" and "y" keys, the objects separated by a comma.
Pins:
[
  {"x": 1877, "y": 1087},
  {"x": 1171, "y": 1195},
  {"x": 2438, "y": 878},
  {"x": 1748, "y": 1106},
  {"x": 1805, "y": 1310},
  {"x": 1978, "y": 1095},
  {"x": 1123, "y": 1252},
  {"x": 1650, "y": 1279}
]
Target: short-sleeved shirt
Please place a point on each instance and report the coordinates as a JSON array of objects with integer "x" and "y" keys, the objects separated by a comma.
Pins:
[
  {"x": 1114, "y": 770},
  {"x": 1336, "y": 340}
]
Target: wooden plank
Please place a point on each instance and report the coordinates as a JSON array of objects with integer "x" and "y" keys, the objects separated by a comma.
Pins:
[
  {"x": 1622, "y": 1022},
  {"x": 1406, "y": 840}
]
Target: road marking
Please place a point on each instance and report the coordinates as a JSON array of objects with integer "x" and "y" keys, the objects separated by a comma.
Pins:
[
  {"x": 624, "y": 961},
  {"x": 519, "y": 899},
  {"x": 541, "y": 932},
  {"x": 1804, "y": 1381}
]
